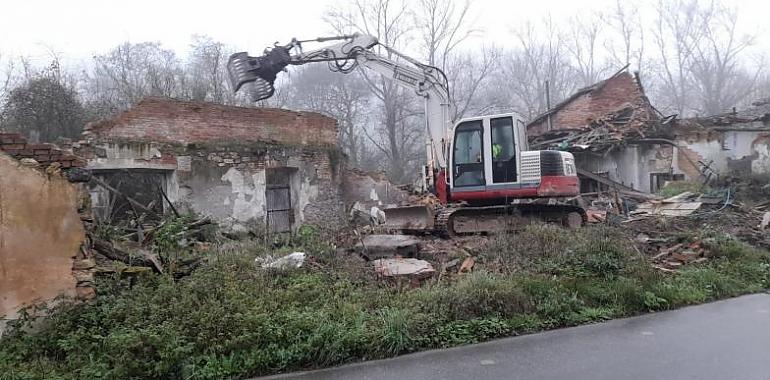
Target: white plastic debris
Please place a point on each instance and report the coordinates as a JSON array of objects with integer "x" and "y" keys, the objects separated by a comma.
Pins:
[
  {"x": 377, "y": 215},
  {"x": 292, "y": 260}
]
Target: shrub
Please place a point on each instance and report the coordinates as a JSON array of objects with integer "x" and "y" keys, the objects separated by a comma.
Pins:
[
  {"x": 678, "y": 187},
  {"x": 474, "y": 295},
  {"x": 231, "y": 319}
]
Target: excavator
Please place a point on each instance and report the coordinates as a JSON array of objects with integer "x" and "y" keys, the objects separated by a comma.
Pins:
[{"x": 479, "y": 168}]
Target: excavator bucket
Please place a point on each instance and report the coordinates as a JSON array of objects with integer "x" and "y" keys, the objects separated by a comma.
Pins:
[
  {"x": 257, "y": 73},
  {"x": 409, "y": 218}
]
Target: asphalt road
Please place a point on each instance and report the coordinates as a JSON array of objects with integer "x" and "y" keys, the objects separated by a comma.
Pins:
[{"x": 723, "y": 340}]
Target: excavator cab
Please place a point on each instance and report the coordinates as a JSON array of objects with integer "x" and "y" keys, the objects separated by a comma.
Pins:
[
  {"x": 486, "y": 151},
  {"x": 490, "y": 163}
]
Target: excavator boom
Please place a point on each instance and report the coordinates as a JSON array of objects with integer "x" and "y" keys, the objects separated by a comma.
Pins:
[{"x": 479, "y": 168}]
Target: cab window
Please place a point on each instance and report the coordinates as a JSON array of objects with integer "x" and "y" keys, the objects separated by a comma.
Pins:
[{"x": 469, "y": 154}]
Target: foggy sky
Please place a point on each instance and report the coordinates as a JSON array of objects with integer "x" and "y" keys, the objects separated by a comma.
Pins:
[{"x": 75, "y": 30}]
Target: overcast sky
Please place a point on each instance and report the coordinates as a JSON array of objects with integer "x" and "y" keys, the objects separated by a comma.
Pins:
[{"x": 78, "y": 29}]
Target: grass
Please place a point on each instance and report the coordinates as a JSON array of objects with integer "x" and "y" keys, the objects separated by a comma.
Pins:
[
  {"x": 230, "y": 319},
  {"x": 677, "y": 187}
]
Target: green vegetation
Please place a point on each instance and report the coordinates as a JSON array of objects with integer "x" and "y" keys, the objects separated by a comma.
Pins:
[
  {"x": 231, "y": 319},
  {"x": 678, "y": 187}
]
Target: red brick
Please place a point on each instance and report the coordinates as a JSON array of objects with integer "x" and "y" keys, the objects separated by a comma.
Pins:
[
  {"x": 611, "y": 96},
  {"x": 172, "y": 121},
  {"x": 40, "y": 146},
  {"x": 10, "y": 137}
]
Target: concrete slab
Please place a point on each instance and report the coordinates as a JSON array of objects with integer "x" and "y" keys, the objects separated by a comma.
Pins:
[
  {"x": 383, "y": 246},
  {"x": 414, "y": 269}
]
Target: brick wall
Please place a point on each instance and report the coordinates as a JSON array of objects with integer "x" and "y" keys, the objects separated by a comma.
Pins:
[
  {"x": 615, "y": 93},
  {"x": 173, "y": 121},
  {"x": 16, "y": 146}
]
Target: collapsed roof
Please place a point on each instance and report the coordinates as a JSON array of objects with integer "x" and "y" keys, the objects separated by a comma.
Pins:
[{"x": 596, "y": 117}]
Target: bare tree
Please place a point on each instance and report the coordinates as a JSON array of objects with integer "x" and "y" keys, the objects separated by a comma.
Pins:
[
  {"x": 130, "y": 72},
  {"x": 470, "y": 79},
  {"x": 583, "y": 45},
  {"x": 680, "y": 27},
  {"x": 206, "y": 70},
  {"x": 700, "y": 55},
  {"x": 523, "y": 71},
  {"x": 342, "y": 97},
  {"x": 625, "y": 20},
  {"x": 719, "y": 76},
  {"x": 443, "y": 26},
  {"x": 44, "y": 107},
  {"x": 7, "y": 70},
  {"x": 398, "y": 137}
]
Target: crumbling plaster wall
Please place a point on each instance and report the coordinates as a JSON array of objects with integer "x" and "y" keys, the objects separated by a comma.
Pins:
[
  {"x": 40, "y": 235},
  {"x": 728, "y": 151},
  {"x": 229, "y": 183},
  {"x": 630, "y": 165},
  {"x": 217, "y": 155}
]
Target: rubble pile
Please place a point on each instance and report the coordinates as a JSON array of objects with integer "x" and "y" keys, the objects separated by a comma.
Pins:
[
  {"x": 136, "y": 249},
  {"x": 675, "y": 231},
  {"x": 607, "y": 130}
]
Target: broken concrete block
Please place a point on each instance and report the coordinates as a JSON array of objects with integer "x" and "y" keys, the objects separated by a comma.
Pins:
[
  {"x": 414, "y": 269},
  {"x": 292, "y": 260},
  {"x": 379, "y": 246}
]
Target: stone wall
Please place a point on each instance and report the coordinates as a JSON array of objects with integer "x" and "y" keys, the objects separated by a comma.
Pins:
[
  {"x": 229, "y": 182},
  {"x": 370, "y": 189}
]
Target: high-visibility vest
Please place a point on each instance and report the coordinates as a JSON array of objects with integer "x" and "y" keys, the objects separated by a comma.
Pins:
[{"x": 496, "y": 150}]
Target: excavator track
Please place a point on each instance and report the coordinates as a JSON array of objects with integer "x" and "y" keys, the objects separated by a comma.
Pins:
[{"x": 466, "y": 220}]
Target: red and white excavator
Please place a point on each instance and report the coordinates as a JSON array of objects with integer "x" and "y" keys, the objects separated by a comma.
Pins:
[{"x": 480, "y": 168}]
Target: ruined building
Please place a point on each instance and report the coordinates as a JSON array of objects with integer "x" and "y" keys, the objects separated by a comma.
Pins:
[
  {"x": 614, "y": 133},
  {"x": 238, "y": 165},
  {"x": 621, "y": 141},
  {"x": 736, "y": 142}
]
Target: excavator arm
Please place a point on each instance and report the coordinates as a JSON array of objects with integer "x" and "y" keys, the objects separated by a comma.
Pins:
[{"x": 259, "y": 74}]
